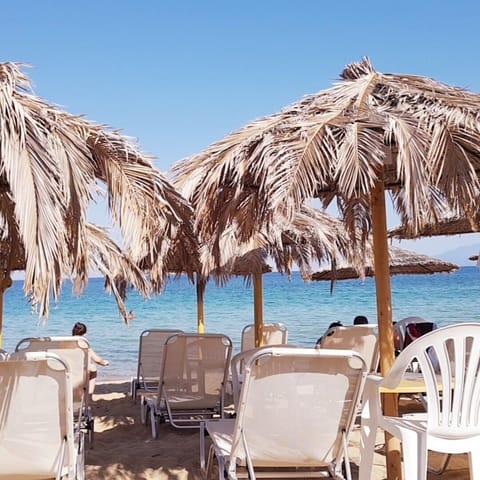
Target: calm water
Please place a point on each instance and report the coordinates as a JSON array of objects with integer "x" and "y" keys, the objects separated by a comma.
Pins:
[{"x": 306, "y": 309}]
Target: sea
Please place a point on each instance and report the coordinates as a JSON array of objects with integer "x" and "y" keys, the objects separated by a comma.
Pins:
[{"x": 306, "y": 308}]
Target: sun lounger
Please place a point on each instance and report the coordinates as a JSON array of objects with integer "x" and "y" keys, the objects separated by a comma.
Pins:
[
  {"x": 150, "y": 356},
  {"x": 360, "y": 338},
  {"x": 74, "y": 351},
  {"x": 273, "y": 334},
  {"x": 410, "y": 328},
  {"x": 192, "y": 381},
  {"x": 449, "y": 360},
  {"x": 37, "y": 435},
  {"x": 295, "y": 413}
]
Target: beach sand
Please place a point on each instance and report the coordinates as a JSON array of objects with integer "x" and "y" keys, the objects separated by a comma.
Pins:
[{"x": 123, "y": 447}]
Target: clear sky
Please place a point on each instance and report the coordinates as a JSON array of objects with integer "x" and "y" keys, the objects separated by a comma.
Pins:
[{"x": 179, "y": 75}]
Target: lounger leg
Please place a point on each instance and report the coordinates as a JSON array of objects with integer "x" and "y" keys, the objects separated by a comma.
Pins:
[
  {"x": 202, "y": 446},
  {"x": 153, "y": 421},
  {"x": 134, "y": 389},
  {"x": 143, "y": 410}
]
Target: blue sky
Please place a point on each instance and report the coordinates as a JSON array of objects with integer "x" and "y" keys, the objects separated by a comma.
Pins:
[{"x": 179, "y": 75}]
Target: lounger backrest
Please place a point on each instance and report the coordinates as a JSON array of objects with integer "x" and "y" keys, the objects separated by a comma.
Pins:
[
  {"x": 294, "y": 405},
  {"x": 150, "y": 353},
  {"x": 273, "y": 334},
  {"x": 410, "y": 328},
  {"x": 449, "y": 361},
  {"x": 195, "y": 367},
  {"x": 73, "y": 350},
  {"x": 36, "y": 422},
  {"x": 360, "y": 338}
]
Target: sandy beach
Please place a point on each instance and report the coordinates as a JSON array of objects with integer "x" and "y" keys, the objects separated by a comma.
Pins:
[{"x": 123, "y": 447}]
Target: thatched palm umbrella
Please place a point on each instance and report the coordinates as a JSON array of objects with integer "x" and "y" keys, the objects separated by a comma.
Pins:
[
  {"x": 411, "y": 135},
  {"x": 445, "y": 226},
  {"x": 52, "y": 164},
  {"x": 310, "y": 238},
  {"x": 401, "y": 262}
]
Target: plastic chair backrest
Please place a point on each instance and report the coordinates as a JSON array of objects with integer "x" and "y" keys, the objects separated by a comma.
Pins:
[
  {"x": 36, "y": 420},
  {"x": 273, "y": 334},
  {"x": 360, "y": 338},
  {"x": 449, "y": 360},
  {"x": 284, "y": 417}
]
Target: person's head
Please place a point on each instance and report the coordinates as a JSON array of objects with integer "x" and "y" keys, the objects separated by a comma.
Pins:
[
  {"x": 360, "y": 320},
  {"x": 79, "y": 329},
  {"x": 335, "y": 324}
]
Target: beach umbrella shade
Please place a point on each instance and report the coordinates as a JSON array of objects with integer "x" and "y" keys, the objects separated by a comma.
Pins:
[
  {"x": 401, "y": 262},
  {"x": 311, "y": 237},
  {"x": 371, "y": 132},
  {"x": 52, "y": 167},
  {"x": 448, "y": 225}
]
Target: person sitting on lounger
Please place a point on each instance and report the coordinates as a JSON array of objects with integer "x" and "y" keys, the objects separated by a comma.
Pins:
[
  {"x": 332, "y": 325},
  {"x": 80, "y": 329}
]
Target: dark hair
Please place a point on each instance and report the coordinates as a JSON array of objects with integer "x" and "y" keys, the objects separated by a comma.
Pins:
[
  {"x": 79, "y": 329},
  {"x": 335, "y": 324},
  {"x": 360, "y": 320}
]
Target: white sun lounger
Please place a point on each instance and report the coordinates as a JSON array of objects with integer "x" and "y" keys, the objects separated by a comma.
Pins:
[
  {"x": 192, "y": 381},
  {"x": 273, "y": 334},
  {"x": 295, "y": 413},
  {"x": 150, "y": 356},
  {"x": 37, "y": 435},
  {"x": 74, "y": 351},
  {"x": 360, "y": 338}
]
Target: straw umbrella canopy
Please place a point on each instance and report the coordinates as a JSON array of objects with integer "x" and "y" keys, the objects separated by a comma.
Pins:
[
  {"x": 371, "y": 132},
  {"x": 52, "y": 166},
  {"x": 401, "y": 261},
  {"x": 449, "y": 225},
  {"x": 311, "y": 237}
]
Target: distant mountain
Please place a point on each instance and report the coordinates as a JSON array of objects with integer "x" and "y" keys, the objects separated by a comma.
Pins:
[{"x": 460, "y": 255}]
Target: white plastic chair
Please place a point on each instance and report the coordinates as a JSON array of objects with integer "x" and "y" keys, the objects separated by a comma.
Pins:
[
  {"x": 273, "y": 334},
  {"x": 360, "y": 338},
  {"x": 150, "y": 356},
  {"x": 192, "y": 381},
  {"x": 38, "y": 439},
  {"x": 285, "y": 419},
  {"x": 449, "y": 361}
]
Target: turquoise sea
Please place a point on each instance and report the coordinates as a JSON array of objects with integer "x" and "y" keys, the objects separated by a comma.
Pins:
[{"x": 306, "y": 308}]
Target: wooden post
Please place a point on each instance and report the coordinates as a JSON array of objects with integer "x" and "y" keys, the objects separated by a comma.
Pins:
[
  {"x": 5, "y": 282},
  {"x": 200, "y": 284},
  {"x": 385, "y": 323},
  {"x": 258, "y": 308}
]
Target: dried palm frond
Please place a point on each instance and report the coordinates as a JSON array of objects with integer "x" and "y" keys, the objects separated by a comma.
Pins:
[
  {"x": 52, "y": 164},
  {"x": 418, "y": 136}
]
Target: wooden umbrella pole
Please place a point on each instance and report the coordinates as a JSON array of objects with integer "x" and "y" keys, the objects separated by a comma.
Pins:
[
  {"x": 385, "y": 324},
  {"x": 5, "y": 282},
  {"x": 258, "y": 308},
  {"x": 200, "y": 284}
]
